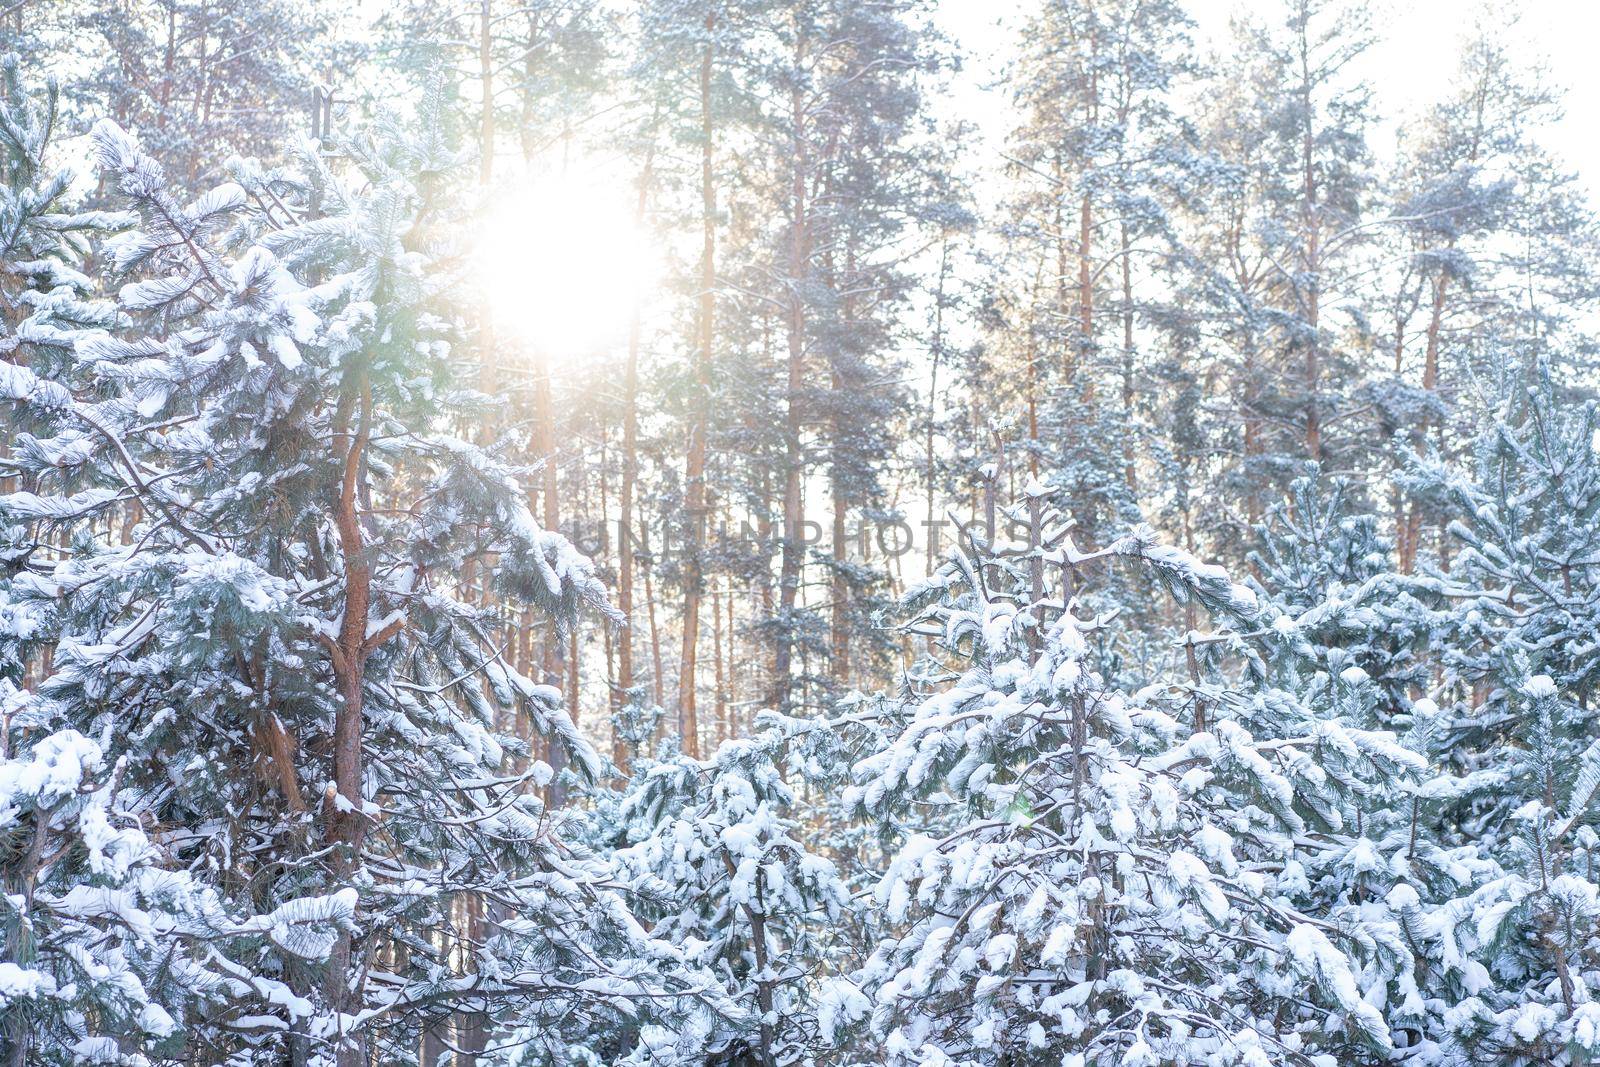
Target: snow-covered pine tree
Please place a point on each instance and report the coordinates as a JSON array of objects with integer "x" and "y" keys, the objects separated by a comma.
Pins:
[
  {"x": 45, "y": 300},
  {"x": 1359, "y": 641},
  {"x": 105, "y": 945},
  {"x": 108, "y": 947},
  {"x": 200, "y": 80},
  {"x": 44, "y": 296},
  {"x": 715, "y": 849},
  {"x": 1327, "y": 571},
  {"x": 1453, "y": 196},
  {"x": 1276, "y": 234},
  {"x": 276, "y": 655},
  {"x": 1520, "y": 726},
  {"x": 1121, "y": 887},
  {"x": 835, "y": 183},
  {"x": 1097, "y": 162}
]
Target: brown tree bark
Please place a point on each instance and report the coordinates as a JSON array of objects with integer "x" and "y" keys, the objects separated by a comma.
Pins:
[
  {"x": 731, "y": 659},
  {"x": 1085, "y": 295},
  {"x": 792, "y": 555},
  {"x": 720, "y": 731},
  {"x": 435, "y": 1043},
  {"x": 552, "y": 655},
  {"x": 345, "y": 817},
  {"x": 840, "y": 591},
  {"x": 839, "y": 610},
  {"x": 1033, "y": 372},
  {"x": 1129, "y": 472},
  {"x": 655, "y": 635},
  {"x": 574, "y": 675},
  {"x": 695, "y": 472},
  {"x": 1085, "y": 353},
  {"x": 931, "y": 550},
  {"x": 630, "y": 477},
  {"x": 471, "y": 1023},
  {"x": 1311, "y": 225},
  {"x": 1411, "y": 534},
  {"x": 486, "y": 102}
]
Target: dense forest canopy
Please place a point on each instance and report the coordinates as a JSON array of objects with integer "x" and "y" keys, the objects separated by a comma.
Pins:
[{"x": 648, "y": 533}]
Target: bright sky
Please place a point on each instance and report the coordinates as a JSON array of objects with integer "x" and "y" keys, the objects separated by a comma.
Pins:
[{"x": 1413, "y": 58}]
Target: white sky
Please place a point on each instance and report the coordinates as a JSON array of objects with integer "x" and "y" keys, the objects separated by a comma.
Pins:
[{"x": 1411, "y": 62}]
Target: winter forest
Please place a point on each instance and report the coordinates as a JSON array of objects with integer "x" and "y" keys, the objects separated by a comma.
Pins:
[{"x": 759, "y": 533}]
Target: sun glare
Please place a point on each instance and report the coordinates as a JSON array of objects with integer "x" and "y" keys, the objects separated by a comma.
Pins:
[{"x": 562, "y": 263}]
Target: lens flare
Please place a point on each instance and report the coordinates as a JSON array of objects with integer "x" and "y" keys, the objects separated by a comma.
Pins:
[{"x": 562, "y": 263}]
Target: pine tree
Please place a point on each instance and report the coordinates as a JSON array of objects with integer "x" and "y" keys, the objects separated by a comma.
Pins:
[
  {"x": 1276, "y": 234},
  {"x": 200, "y": 79},
  {"x": 522, "y": 72},
  {"x": 45, "y": 303},
  {"x": 1520, "y": 730},
  {"x": 841, "y": 185},
  {"x": 1098, "y": 163},
  {"x": 107, "y": 947},
  {"x": 276, "y": 402},
  {"x": 1473, "y": 185},
  {"x": 714, "y": 848},
  {"x": 1121, "y": 886},
  {"x": 1327, "y": 570},
  {"x": 1358, "y": 641}
]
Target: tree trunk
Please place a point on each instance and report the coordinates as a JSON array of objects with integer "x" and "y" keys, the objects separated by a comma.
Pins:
[
  {"x": 931, "y": 550},
  {"x": 793, "y": 551},
  {"x": 574, "y": 676},
  {"x": 1085, "y": 297},
  {"x": 1311, "y": 233},
  {"x": 720, "y": 729},
  {"x": 532, "y": 50},
  {"x": 655, "y": 636},
  {"x": 554, "y": 672},
  {"x": 630, "y": 476},
  {"x": 695, "y": 474},
  {"x": 471, "y": 1023},
  {"x": 1033, "y": 373},
  {"x": 1411, "y": 535},
  {"x": 346, "y": 819},
  {"x": 1130, "y": 473},
  {"x": 733, "y": 663},
  {"x": 839, "y": 613},
  {"x": 840, "y": 585},
  {"x": 1085, "y": 351},
  {"x": 486, "y": 102},
  {"x": 609, "y": 634},
  {"x": 435, "y": 1043}
]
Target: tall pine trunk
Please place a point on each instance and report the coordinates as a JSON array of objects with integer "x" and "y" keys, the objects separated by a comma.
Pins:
[
  {"x": 1129, "y": 473},
  {"x": 840, "y": 585},
  {"x": 695, "y": 473},
  {"x": 1411, "y": 534},
  {"x": 486, "y": 102},
  {"x": 1313, "y": 238},
  {"x": 793, "y": 550},
  {"x": 553, "y": 655},
  {"x": 656, "y": 682},
  {"x": 623, "y": 692},
  {"x": 345, "y": 815},
  {"x": 1085, "y": 354},
  {"x": 720, "y": 729},
  {"x": 932, "y": 548}
]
